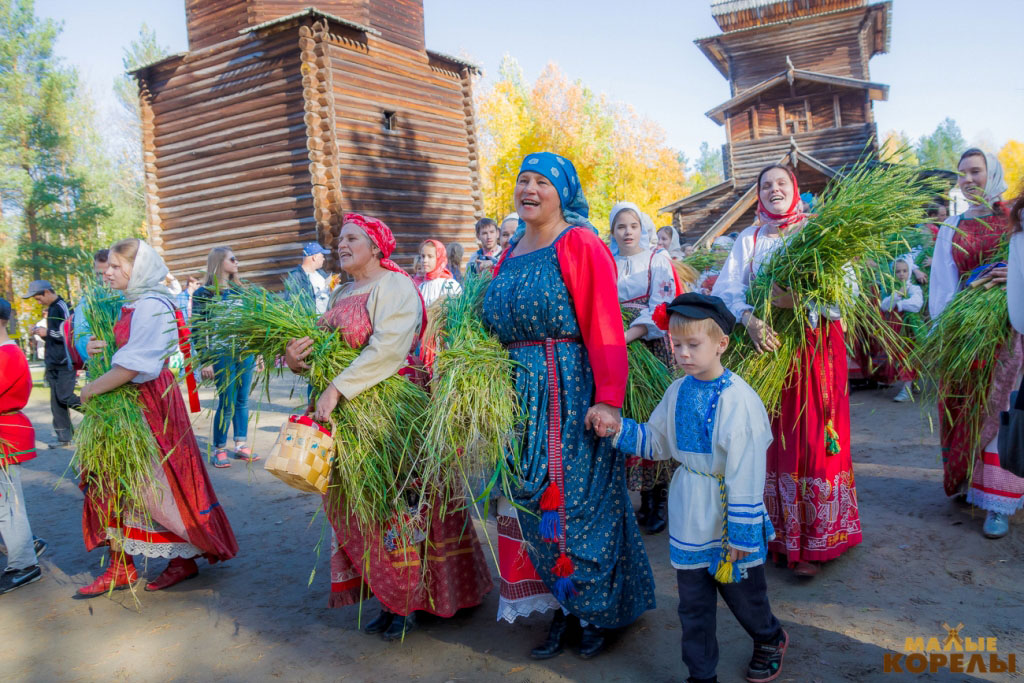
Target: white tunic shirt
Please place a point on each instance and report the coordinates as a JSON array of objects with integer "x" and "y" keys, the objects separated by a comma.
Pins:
[
  {"x": 151, "y": 340},
  {"x": 646, "y": 274},
  {"x": 718, "y": 427}
]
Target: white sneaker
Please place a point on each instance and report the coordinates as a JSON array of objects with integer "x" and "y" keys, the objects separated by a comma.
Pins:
[{"x": 904, "y": 394}]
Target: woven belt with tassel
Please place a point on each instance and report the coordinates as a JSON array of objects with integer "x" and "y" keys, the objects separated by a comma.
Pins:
[{"x": 552, "y": 502}]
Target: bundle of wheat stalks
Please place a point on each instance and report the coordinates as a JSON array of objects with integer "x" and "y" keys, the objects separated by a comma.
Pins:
[
  {"x": 829, "y": 262},
  {"x": 961, "y": 351},
  {"x": 115, "y": 449},
  {"x": 397, "y": 447}
]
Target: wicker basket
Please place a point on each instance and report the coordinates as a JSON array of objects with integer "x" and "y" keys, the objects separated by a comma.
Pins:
[{"x": 302, "y": 455}]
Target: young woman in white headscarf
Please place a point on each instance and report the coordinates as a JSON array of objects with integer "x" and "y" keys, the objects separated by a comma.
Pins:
[
  {"x": 646, "y": 279},
  {"x": 972, "y": 240},
  {"x": 668, "y": 239},
  {"x": 183, "y": 519}
]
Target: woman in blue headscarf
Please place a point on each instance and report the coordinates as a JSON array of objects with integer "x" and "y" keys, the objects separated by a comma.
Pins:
[{"x": 553, "y": 303}]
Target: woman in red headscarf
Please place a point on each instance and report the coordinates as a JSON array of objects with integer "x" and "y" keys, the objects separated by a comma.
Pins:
[
  {"x": 438, "y": 281},
  {"x": 381, "y": 311},
  {"x": 809, "y": 492}
]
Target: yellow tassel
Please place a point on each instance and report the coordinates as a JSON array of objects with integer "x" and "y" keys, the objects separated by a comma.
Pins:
[
  {"x": 724, "y": 573},
  {"x": 832, "y": 446}
]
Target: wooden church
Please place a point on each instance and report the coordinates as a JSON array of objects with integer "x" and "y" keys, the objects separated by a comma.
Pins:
[
  {"x": 801, "y": 92},
  {"x": 282, "y": 117}
]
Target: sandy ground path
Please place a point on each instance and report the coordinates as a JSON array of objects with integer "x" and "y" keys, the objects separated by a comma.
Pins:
[{"x": 923, "y": 563}]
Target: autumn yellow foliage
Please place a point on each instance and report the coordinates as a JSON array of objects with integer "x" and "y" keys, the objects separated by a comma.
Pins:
[
  {"x": 619, "y": 155},
  {"x": 1011, "y": 156}
]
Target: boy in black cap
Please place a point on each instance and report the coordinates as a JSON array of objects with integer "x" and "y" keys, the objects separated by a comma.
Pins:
[{"x": 715, "y": 425}]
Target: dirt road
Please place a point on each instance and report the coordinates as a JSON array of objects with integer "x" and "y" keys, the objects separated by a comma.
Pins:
[{"x": 923, "y": 563}]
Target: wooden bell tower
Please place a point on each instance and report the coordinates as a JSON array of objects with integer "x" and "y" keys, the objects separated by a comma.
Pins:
[{"x": 801, "y": 93}]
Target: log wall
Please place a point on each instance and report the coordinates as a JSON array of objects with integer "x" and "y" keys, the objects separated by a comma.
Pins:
[
  {"x": 226, "y": 156},
  {"x": 420, "y": 176},
  {"x": 214, "y": 21},
  {"x": 784, "y": 10},
  {"x": 834, "y": 147},
  {"x": 832, "y": 44},
  {"x": 262, "y": 142}
]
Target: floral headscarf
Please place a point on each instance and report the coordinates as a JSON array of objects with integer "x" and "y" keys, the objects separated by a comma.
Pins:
[
  {"x": 646, "y": 227},
  {"x": 381, "y": 235},
  {"x": 566, "y": 181},
  {"x": 441, "y": 266},
  {"x": 780, "y": 221}
]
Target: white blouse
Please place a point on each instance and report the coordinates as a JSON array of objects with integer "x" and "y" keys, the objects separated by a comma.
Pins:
[
  {"x": 152, "y": 338},
  {"x": 432, "y": 290},
  {"x": 396, "y": 316},
  {"x": 745, "y": 261},
  {"x": 944, "y": 278},
  {"x": 911, "y": 303},
  {"x": 1015, "y": 282},
  {"x": 642, "y": 273}
]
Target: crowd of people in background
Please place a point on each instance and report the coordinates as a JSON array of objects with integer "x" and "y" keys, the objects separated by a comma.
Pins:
[{"x": 566, "y": 305}]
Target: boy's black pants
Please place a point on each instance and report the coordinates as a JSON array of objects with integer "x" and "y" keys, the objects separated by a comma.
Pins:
[{"x": 698, "y": 608}]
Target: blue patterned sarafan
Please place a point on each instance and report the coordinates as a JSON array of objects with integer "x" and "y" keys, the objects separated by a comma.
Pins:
[{"x": 528, "y": 302}]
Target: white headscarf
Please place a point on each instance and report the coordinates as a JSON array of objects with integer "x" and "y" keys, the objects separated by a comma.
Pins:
[
  {"x": 511, "y": 217},
  {"x": 675, "y": 246},
  {"x": 148, "y": 273},
  {"x": 995, "y": 186},
  {"x": 646, "y": 226},
  {"x": 723, "y": 242}
]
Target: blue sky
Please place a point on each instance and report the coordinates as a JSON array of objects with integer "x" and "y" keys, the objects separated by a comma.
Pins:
[{"x": 948, "y": 58}]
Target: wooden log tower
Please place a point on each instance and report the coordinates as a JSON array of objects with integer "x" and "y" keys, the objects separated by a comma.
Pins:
[
  {"x": 282, "y": 117},
  {"x": 800, "y": 93}
]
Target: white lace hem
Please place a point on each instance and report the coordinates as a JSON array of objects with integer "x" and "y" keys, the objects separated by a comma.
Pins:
[
  {"x": 165, "y": 550},
  {"x": 510, "y": 610},
  {"x": 993, "y": 502}
]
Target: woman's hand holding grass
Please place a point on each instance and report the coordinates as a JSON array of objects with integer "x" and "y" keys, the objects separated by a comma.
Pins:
[
  {"x": 763, "y": 336},
  {"x": 95, "y": 346},
  {"x": 296, "y": 352}
]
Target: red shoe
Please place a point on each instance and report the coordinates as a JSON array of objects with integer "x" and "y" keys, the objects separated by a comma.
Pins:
[
  {"x": 120, "y": 574},
  {"x": 806, "y": 570},
  {"x": 178, "y": 570}
]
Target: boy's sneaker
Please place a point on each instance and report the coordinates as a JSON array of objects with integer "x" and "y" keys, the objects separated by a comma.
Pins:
[
  {"x": 16, "y": 578},
  {"x": 766, "y": 663}
]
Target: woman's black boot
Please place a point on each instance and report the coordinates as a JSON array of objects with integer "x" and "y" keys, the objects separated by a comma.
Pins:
[
  {"x": 400, "y": 626},
  {"x": 553, "y": 646},
  {"x": 643, "y": 513},
  {"x": 656, "y": 523},
  {"x": 592, "y": 642},
  {"x": 381, "y": 623}
]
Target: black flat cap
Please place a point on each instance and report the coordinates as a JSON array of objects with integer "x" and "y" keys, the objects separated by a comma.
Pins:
[{"x": 699, "y": 306}]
